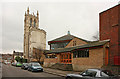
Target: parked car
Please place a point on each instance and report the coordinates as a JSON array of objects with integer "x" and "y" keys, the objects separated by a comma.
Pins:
[
  {"x": 93, "y": 74},
  {"x": 13, "y": 64},
  {"x": 7, "y": 63},
  {"x": 35, "y": 67},
  {"x": 24, "y": 66},
  {"x": 18, "y": 64}
]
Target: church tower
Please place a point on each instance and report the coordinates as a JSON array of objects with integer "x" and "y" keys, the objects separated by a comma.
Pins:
[{"x": 32, "y": 34}]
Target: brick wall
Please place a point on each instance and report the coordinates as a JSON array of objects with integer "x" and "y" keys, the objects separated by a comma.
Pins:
[
  {"x": 109, "y": 29},
  {"x": 78, "y": 42},
  {"x": 95, "y": 60}
]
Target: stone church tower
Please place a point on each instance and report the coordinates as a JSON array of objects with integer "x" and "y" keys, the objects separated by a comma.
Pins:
[{"x": 33, "y": 36}]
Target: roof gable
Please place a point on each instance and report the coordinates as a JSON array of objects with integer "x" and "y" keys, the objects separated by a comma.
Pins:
[
  {"x": 76, "y": 42},
  {"x": 68, "y": 37}
]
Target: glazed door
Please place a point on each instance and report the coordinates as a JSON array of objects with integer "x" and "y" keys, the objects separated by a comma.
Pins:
[{"x": 65, "y": 58}]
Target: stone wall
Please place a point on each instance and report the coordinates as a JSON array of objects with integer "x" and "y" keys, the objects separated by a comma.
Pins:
[
  {"x": 37, "y": 40},
  {"x": 48, "y": 62}
]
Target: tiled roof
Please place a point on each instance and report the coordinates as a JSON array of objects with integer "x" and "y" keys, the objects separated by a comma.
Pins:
[
  {"x": 92, "y": 44},
  {"x": 67, "y": 37}
]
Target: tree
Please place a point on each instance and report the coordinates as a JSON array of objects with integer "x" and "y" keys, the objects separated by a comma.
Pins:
[
  {"x": 20, "y": 59},
  {"x": 17, "y": 59},
  {"x": 37, "y": 54},
  {"x": 96, "y": 36}
]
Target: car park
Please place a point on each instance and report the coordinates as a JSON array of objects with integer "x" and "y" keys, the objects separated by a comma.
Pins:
[
  {"x": 93, "y": 74},
  {"x": 24, "y": 66},
  {"x": 35, "y": 67}
]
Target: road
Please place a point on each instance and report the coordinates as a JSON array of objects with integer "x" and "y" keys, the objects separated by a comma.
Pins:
[
  {"x": 0, "y": 70},
  {"x": 16, "y": 72}
]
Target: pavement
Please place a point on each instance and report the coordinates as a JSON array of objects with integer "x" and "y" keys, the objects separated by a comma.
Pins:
[{"x": 59, "y": 72}]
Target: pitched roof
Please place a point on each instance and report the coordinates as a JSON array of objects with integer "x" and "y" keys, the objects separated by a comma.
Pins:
[
  {"x": 92, "y": 44},
  {"x": 67, "y": 37}
]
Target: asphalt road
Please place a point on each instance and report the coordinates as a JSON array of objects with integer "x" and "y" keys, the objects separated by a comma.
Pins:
[
  {"x": 0, "y": 70},
  {"x": 11, "y": 72}
]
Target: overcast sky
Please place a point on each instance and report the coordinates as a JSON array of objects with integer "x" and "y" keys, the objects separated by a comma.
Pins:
[{"x": 80, "y": 17}]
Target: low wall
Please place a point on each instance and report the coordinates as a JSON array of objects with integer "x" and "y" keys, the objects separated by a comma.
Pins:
[{"x": 48, "y": 62}]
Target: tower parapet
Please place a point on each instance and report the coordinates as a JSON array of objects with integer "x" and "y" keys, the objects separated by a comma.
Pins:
[{"x": 31, "y": 20}]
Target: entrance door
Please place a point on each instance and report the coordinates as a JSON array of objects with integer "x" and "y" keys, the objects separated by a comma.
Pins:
[{"x": 65, "y": 58}]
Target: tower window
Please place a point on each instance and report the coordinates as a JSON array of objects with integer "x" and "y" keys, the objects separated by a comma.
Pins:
[
  {"x": 74, "y": 43},
  {"x": 30, "y": 21},
  {"x": 34, "y": 23}
]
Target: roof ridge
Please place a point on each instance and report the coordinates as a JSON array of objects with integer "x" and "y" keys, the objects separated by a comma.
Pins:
[{"x": 68, "y": 37}]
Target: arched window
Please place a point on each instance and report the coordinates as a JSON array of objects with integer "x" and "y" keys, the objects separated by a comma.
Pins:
[
  {"x": 30, "y": 21},
  {"x": 25, "y": 20},
  {"x": 34, "y": 23}
]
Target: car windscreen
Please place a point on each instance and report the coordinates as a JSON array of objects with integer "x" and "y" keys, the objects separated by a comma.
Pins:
[
  {"x": 35, "y": 64},
  {"x": 18, "y": 63},
  {"x": 25, "y": 64},
  {"x": 89, "y": 73}
]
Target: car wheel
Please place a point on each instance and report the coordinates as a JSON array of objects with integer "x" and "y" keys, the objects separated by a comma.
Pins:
[
  {"x": 41, "y": 70},
  {"x": 31, "y": 70},
  {"x": 28, "y": 69},
  {"x": 68, "y": 78}
]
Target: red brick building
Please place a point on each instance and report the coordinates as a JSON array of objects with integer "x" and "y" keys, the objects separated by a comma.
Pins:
[{"x": 110, "y": 29}]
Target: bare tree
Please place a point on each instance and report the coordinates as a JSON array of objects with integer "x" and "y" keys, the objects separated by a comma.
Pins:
[
  {"x": 38, "y": 54},
  {"x": 96, "y": 36}
]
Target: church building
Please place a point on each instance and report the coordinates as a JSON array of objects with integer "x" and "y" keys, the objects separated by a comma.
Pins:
[
  {"x": 33, "y": 36},
  {"x": 69, "y": 52}
]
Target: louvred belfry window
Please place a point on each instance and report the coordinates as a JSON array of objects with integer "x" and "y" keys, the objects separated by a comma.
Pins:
[
  {"x": 34, "y": 23},
  {"x": 30, "y": 21}
]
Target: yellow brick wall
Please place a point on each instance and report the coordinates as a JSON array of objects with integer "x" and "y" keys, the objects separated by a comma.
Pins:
[
  {"x": 95, "y": 60},
  {"x": 78, "y": 42}
]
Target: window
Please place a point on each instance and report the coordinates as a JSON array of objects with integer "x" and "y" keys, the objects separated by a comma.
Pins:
[
  {"x": 59, "y": 45},
  {"x": 90, "y": 73},
  {"x": 74, "y": 43},
  {"x": 50, "y": 56},
  {"x": 34, "y": 23},
  {"x": 65, "y": 58},
  {"x": 81, "y": 53},
  {"x": 30, "y": 21},
  {"x": 25, "y": 20}
]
